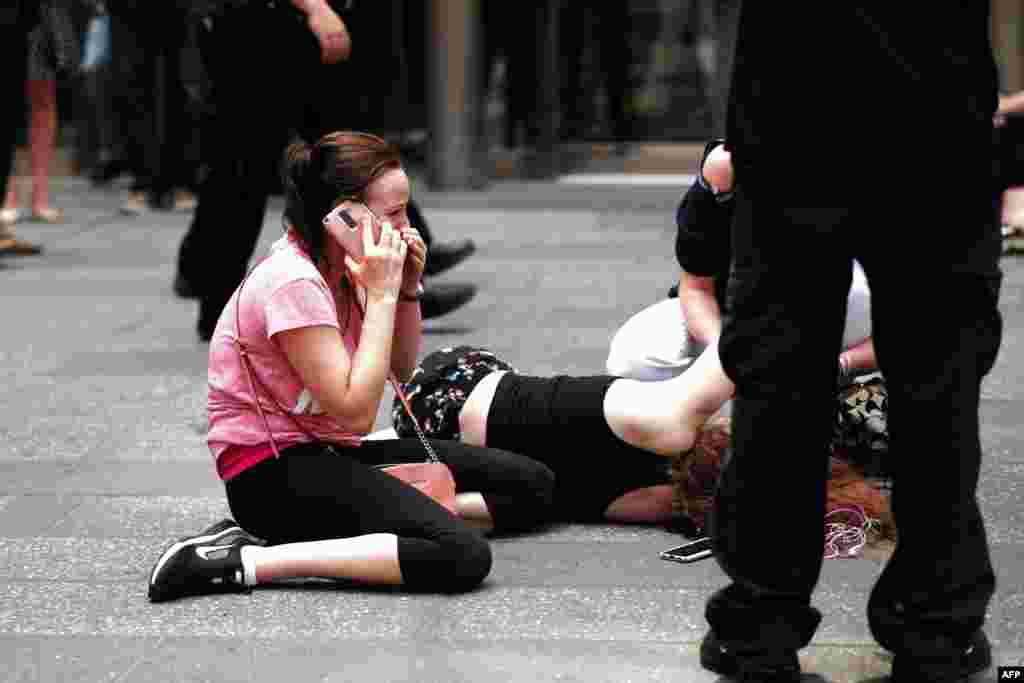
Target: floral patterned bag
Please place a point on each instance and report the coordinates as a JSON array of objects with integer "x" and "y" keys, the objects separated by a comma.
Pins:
[{"x": 861, "y": 428}]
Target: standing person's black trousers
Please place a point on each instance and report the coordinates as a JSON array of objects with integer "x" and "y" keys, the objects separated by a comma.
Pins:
[
  {"x": 937, "y": 331},
  {"x": 262, "y": 66}
]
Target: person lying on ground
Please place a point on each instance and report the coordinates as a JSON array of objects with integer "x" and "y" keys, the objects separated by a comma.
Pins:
[{"x": 622, "y": 450}]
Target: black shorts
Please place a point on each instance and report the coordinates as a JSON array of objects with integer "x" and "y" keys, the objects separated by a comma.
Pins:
[{"x": 558, "y": 421}]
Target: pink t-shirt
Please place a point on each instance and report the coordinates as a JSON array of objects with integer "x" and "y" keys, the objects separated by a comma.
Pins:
[{"x": 284, "y": 292}]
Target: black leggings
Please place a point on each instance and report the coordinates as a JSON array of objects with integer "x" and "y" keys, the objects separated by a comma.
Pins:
[{"x": 310, "y": 494}]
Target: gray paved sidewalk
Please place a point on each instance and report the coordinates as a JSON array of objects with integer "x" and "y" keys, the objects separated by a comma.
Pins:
[{"x": 103, "y": 460}]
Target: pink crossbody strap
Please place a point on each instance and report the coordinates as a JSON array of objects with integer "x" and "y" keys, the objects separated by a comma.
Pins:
[{"x": 250, "y": 374}]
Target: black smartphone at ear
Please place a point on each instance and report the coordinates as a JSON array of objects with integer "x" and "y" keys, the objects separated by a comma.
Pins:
[
  {"x": 344, "y": 227},
  {"x": 347, "y": 217},
  {"x": 689, "y": 552}
]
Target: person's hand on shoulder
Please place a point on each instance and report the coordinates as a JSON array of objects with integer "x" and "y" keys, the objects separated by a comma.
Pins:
[
  {"x": 717, "y": 170},
  {"x": 330, "y": 31}
]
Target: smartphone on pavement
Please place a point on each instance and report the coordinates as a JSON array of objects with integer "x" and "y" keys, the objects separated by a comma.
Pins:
[{"x": 689, "y": 552}]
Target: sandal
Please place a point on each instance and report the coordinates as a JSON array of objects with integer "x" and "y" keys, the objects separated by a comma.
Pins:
[
  {"x": 9, "y": 217},
  {"x": 47, "y": 215},
  {"x": 15, "y": 246},
  {"x": 1013, "y": 239}
]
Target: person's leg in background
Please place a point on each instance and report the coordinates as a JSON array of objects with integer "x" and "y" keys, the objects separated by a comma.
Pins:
[
  {"x": 133, "y": 99},
  {"x": 42, "y": 97},
  {"x": 12, "y": 78},
  {"x": 40, "y": 88},
  {"x": 197, "y": 106},
  {"x": 100, "y": 85},
  {"x": 929, "y": 603},
  {"x": 169, "y": 173},
  {"x": 109, "y": 162},
  {"x": 524, "y": 73},
  {"x": 243, "y": 147},
  {"x": 780, "y": 349},
  {"x": 613, "y": 31},
  {"x": 13, "y": 48},
  {"x": 13, "y": 55},
  {"x": 573, "y": 32}
]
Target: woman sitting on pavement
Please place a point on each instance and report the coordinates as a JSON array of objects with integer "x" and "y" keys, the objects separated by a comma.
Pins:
[{"x": 322, "y": 331}]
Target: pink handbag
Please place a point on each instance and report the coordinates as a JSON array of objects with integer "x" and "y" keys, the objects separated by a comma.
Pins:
[{"x": 432, "y": 477}]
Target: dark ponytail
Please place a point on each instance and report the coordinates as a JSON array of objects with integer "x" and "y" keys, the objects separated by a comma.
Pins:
[{"x": 298, "y": 182}]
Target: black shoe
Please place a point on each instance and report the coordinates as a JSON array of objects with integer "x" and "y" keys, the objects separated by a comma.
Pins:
[
  {"x": 210, "y": 309},
  {"x": 773, "y": 667},
  {"x": 974, "y": 658},
  {"x": 184, "y": 288},
  {"x": 441, "y": 257},
  {"x": 439, "y": 299},
  {"x": 209, "y": 562},
  {"x": 205, "y": 328},
  {"x": 105, "y": 172}
]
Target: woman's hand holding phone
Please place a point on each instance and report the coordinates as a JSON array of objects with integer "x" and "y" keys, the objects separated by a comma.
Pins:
[{"x": 381, "y": 268}]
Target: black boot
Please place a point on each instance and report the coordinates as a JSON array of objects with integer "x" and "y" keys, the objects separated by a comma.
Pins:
[
  {"x": 441, "y": 257},
  {"x": 439, "y": 299},
  {"x": 768, "y": 667}
]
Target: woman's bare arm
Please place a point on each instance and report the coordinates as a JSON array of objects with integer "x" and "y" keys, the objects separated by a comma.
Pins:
[
  {"x": 700, "y": 307},
  {"x": 347, "y": 388}
]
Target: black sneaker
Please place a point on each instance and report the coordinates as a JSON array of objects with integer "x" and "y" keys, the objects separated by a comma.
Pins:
[
  {"x": 209, "y": 562},
  {"x": 439, "y": 299},
  {"x": 441, "y": 257},
  {"x": 210, "y": 308},
  {"x": 104, "y": 172},
  {"x": 974, "y": 658},
  {"x": 774, "y": 667}
]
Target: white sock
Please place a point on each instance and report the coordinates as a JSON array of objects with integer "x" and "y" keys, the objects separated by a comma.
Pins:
[{"x": 248, "y": 553}]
